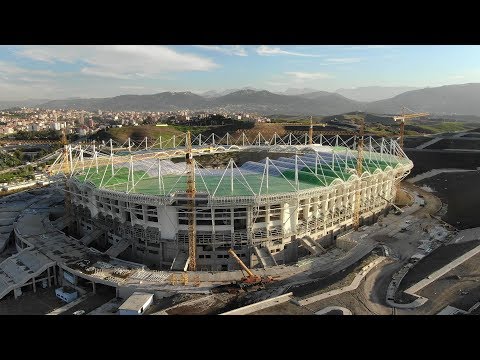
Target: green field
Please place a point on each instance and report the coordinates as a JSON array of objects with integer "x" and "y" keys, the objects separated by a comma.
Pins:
[
  {"x": 444, "y": 127},
  {"x": 246, "y": 185}
]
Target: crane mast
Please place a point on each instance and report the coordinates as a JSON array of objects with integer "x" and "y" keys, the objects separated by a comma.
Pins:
[
  {"x": 356, "y": 212},
  {"x": 67, "y": 158},
  {"x": 310, "y": 132},
  {"x": 402, "y": 119},
  {"x": 191, "y": 190}
]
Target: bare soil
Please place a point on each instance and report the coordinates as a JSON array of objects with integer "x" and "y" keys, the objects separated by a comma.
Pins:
[
  {"x": 461, "y": 192},
  {"x": 432, "y": 262}
]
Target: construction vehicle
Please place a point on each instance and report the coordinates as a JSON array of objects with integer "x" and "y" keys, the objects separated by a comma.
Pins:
[
  {"x": 402, "y": 119},
  {"x": 251, "y": 279}
]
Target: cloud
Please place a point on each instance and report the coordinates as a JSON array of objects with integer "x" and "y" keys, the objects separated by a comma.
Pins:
[
  {"x": 309, "y": 76},
  {"x": 265, "y": 50},
  {"x": 276, "y": 83},
  {"x": 343, "y": 60},
  {"x": 225, "y": 49},
  {"x": 369, "y": 47},
  {"x": 11, "y": 71},
  {"x": 456, "y": 77},
  {"x": 120, "y": 61}
]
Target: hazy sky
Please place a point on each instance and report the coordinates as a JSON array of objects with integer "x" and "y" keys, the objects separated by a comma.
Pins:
[{"x": 97, "y": 71}]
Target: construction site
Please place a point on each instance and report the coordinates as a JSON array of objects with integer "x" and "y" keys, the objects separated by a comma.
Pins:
[{"x": 293, "y": 224}]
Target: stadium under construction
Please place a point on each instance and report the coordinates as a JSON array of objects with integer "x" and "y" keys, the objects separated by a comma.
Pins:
[{"x": 293, "y": 202}]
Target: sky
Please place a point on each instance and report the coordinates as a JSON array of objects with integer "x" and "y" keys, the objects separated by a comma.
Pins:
[{"x": 64, "y": 71}]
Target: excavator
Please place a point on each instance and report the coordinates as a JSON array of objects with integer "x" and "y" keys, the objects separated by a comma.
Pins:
[{"x": 251, "y": 280}]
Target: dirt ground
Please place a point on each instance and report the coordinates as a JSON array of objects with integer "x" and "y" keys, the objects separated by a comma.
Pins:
[
  {"x": 426, "y": 160},
  {"x": 368, "y": 298},
  {"x": 30, "y": 303},
  {"x": 460, "y": 191},
  {"x": 330, "y": 282},
  {"x": 206, "y": 305},
  {"x": 432, "y": 202},
  {"x": 434, "y": 261},
  {"x": 402, "y": 198},
  {"x": 460, "y": 143},
  {"x": 459, "y": 288},
  {"x": 412, "y": 142},
  {"x": 9, "y": 251},
  {"x": 103, "y": 295},
  {"x": 286, "y": 308}
]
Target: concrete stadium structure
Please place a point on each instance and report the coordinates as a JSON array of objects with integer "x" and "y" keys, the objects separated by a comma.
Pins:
[{"x": 130, "y": 200}]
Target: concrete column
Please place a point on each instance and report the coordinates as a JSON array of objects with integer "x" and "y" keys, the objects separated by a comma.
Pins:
[
  {"x": 34, "y": 285},
  {"x": 94, "y": 288},
  {"x": 55, "y": 276},
  {"x": 49, "y": 278}
]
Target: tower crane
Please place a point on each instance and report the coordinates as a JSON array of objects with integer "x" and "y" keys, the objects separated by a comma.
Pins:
[
  {"x": 404, "y": 116},
  {"x": 356, "y": 212},
  {"x": 310, "y": 132},
  {"x": 66, "y": 154},
  {"x": 191, "y": 190}
]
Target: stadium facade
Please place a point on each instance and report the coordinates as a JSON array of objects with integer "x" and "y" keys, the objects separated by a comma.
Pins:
[{"x": 293, "y": 202}]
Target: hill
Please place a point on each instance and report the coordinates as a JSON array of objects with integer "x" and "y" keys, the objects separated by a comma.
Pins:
[
  {"x": 260, "y": 101},
  {"x": 21, "y": 103},
  {"x": 137, "y": 133},
  {"x": 443, "y": 100},
  {"x": 166, "y": 101},
  {"x": 374, "y": 93},
  {"x": 266, "y": 102}
]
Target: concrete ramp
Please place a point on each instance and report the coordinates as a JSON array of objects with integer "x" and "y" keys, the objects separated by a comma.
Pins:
[
  {"x": 180, "y": 263},
  {"x": 265, "y": 257},
  {"x": 3, "y": 241},
  {"x": 89, "y": 238},
  {"x": 118, "y": 248},
  {"x": 63, "y": 222},
  {"x": 21, "y": 268},
  {"x": 428, "y": 143},
  {"x": 312, "y": 246}
]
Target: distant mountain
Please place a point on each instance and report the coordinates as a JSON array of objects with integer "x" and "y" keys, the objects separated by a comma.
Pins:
[
  {"x": 262, "y": 101},
  {"x": 213, "y": 93},
  {"x": 21, "y": 103},
  {"x": 374, "y": 93},
  {"x": 166, "y": 101},
  {"x": 269, "y": 103},
  {"x": 319, "y": 94},
  {"x": 443, "y": 100},
  {"x": 210, "y": 94},
  {"x": 295, "y": 91}
]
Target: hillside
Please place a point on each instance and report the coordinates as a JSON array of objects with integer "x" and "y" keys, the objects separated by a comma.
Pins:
[
  {"x": 137, "y": 133},
  {"x": 263, "y": 102},
  {"x": 444, "y": 100},
  {"x": 449, "y": 99},
  {"x": 269, "y": 103},
  {"x": 166, "y": 101},
  {"x": 374, "y": 93}
]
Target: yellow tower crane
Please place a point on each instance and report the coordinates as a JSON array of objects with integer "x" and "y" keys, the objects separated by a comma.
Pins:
[
  {"x": 66, "y": 155},
  {"x": 310, "y": 133},
  {"x": 356, "y": 212},
  {"x": 404, "y": 116},
  {"x": 191, "y": 190},
  {"x": 402, "y": 119}
]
